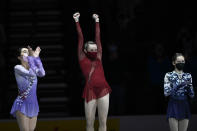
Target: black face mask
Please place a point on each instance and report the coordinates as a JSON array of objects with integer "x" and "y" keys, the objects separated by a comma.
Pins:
[{"x": 180, "y": 66}]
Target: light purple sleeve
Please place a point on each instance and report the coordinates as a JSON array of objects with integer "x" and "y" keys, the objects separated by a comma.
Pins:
[{"x": 36, "y": 65}]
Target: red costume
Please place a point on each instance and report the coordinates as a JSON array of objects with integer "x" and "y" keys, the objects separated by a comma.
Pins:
[{"x": 96, "y": 85}]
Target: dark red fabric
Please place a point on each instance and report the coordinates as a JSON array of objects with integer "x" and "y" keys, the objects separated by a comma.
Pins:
[
  {"x": 96, "y": 84},
  {"x": 92, "y": 55}
]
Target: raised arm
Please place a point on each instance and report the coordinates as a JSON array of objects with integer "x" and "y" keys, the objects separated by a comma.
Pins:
[
  {"x": 34, "y": 62},
  {"x": 97, "y": 35},
  {"x": 36, "y": 65},
  {"x": 81, "y": 54}
]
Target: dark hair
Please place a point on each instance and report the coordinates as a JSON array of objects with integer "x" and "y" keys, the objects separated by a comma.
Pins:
[
  {"x": 88, "y": 43},
  {"x": 19, "y": 50},
  {"x": 177, "y": 55},
  {"x": 18, "y": 53}
]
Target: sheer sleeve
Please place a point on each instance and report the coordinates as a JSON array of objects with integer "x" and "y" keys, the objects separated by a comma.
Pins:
[
  {"x": 40, "y": 70},
  {"x": 167, "y": 87},
  {"x": 98, "y": 40},
  {"x": 36, "y": 65},
  {"x": 81, "y": 54},
  {"x": 170, "y": 88},
  {"x": 190, "y": 87}
]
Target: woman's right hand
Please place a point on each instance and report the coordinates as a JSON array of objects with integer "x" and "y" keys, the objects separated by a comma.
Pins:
[
  {"x": 35, "y": 53},
  {"x": 95, "y": 17},
  {"x": 76, "y": 16}
]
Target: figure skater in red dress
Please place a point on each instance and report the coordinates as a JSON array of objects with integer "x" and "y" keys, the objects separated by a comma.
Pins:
[{"x": 96, "y": 91}]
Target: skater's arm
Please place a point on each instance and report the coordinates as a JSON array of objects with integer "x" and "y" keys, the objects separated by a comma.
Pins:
[
  {"x": 97, "y": 35},
  {"x": 81, "y": 54},
  {"x": 35, "y": 63},
  {"x": 170, "y": 88},
  {"x": 40, "y": 70},
  {"x": 189, "y": 87}
]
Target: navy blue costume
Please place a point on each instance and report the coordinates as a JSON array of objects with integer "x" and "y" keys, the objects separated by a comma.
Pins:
[{"x": 178, "y": 87}]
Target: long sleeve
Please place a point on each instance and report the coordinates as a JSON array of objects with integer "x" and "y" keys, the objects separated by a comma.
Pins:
[
  {"x": 98, "y": 39},
  {"x": 169, "y": 87},
  {"x": 81, "y": 54},
  {"x": 190, "y": 89},
  {"x": 178, "y": 88},
  {"x": 36, "y": 67},
  {"x": 40, "y": 71}
]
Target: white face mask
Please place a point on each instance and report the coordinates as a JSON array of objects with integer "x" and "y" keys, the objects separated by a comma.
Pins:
[{"x": 25, "y": 54}]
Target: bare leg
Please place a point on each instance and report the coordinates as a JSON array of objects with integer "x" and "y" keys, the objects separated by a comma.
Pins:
[
  {"x": 23, "y": 121},
  {"x": 173, "y": 124},
  {"x": 183, "y": 124},
  {"x": 32, "y": 123},
  {"x": 90, "y": 111},
  {"x": 103, "y": 106}
]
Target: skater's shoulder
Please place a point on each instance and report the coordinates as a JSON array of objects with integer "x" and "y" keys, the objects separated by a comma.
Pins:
[
  {"x": 18, "y": 67},
  {"x": 169, "y": 73},
  {"x": 187, "y": 74}
]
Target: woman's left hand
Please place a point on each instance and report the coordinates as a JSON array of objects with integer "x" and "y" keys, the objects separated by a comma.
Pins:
[{"x": 37, "y": 52}]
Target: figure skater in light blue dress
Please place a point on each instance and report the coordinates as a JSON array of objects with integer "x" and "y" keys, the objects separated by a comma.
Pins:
[{"x": 25, "y": 108}]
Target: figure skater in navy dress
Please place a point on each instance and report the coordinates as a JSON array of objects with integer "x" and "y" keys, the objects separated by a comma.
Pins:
[{"x": 178, "y": 88}]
